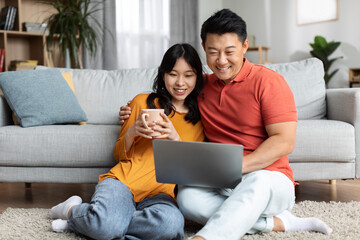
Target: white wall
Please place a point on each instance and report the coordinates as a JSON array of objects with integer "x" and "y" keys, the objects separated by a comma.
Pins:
[
  {"x": 273, "y": 22},
  {"x": 206, "y": 9}
]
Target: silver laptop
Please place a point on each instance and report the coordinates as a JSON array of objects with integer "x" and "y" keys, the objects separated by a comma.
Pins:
[{"x": 201, "y": 164}]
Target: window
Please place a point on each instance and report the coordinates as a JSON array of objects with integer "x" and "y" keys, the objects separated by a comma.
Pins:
[
  {"x": 314, "y": 11},
  {"x": 143, "y": 32}
]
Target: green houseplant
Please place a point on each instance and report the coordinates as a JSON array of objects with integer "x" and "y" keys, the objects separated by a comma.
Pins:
[
  {"x": 70, "y": 28},
  {"x": 322, "y": 50}
]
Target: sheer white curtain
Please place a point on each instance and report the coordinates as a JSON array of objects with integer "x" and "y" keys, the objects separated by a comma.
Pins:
[
  {"x": 142, "y": 31},
  {"x": 105, "y": 57}
]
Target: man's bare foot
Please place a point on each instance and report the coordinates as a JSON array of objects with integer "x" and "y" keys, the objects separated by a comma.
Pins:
[{"x": 278, "y": 225}]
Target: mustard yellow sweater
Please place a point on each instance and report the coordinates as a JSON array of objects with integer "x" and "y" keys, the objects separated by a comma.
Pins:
[{"x": 136, "y": 168}]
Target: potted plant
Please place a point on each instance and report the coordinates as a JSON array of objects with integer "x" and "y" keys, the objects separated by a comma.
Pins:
[
  {"x": 322, "y": 50},
  {"x": 70, "y": 28}
]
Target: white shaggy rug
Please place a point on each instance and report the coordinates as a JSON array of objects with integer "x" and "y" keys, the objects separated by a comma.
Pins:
[{"x": 343, "y": 218}]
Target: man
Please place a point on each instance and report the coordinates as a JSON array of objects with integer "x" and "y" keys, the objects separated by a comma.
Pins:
[{"x": 245, "y": 104}]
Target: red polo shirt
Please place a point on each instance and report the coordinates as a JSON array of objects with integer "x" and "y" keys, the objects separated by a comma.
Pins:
[{"x": 238, "y": 112}]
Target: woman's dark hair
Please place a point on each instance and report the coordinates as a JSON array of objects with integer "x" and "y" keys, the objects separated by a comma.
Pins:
[
  {"x": 224, "y": 21},
  {"x": 168, "y": 62}
]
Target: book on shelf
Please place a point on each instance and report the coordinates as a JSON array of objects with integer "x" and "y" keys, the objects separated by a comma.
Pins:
[
  {"x": 3, "y": 16},
  {"x": 17, "y": 65},
  {"x": 12, "y": 18},
  {"x": 2, "y": 58},
  {"x": 7, "y": 17}
]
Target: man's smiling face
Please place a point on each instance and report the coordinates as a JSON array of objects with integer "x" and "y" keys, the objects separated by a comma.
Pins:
[{"x": 224, "y": 54}]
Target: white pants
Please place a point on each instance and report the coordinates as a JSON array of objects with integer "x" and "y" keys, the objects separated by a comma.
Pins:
[{"x": 248, "y": 208}]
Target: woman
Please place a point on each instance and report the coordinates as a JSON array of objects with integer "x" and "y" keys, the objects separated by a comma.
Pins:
[{"x": 128, "y": 202}]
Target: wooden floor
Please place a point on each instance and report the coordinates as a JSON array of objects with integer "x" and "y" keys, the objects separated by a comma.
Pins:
[{"x": 44, "y": 195}]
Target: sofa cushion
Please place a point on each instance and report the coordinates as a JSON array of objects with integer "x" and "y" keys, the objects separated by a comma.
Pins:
[
  {"x": 69, "y": 81},
  {"x": 324, "y": 141},
  {"x": 58, "y": 145},
  {"x": 101, "y": 93},
  {"x": 306, "y": 80},
  {"x": 40, "y": 98}
]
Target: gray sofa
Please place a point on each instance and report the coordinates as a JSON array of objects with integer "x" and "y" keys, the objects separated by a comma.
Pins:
[{"x": 327, "y": 144}]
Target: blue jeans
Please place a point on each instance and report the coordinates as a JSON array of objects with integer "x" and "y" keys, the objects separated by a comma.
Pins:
[{"x": 113, "y": 214}]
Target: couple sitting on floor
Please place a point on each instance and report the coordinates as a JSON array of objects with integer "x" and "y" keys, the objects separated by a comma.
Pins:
[{"x": 240, "y": 103}]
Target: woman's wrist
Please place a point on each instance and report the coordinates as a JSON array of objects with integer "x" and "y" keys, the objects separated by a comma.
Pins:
[
  {"x": 130, "y": 133},
  {"x": 176, "y": 137},
  {"x": 129, "y": 138}
]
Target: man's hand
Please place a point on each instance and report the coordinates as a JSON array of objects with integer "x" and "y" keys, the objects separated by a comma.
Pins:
[{"x": 124, "y": 113}]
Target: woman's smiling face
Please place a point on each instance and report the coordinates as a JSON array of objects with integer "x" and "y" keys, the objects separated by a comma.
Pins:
[{"x": 180, "y": 82}]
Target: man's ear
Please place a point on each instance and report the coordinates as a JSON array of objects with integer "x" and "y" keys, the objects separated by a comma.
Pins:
[
  {"x": 245, "y": 46},
  {"x": 203, "y": 45}
]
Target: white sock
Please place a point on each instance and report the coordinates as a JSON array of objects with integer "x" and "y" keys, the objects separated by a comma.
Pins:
[
  {"x": 62, "y": 209},
  {"x": 293, "y": 223},
  {"x": 59, "y": 225}
]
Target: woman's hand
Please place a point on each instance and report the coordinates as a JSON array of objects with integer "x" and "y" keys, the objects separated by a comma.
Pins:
[
  {"x": 139, "y": 129},
  {"x": 167, "y": 128}
]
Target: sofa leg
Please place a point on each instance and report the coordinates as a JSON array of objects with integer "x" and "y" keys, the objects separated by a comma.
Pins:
[
  {"x": 27, "y": 185},
  {"x": 332, "y": 182}
]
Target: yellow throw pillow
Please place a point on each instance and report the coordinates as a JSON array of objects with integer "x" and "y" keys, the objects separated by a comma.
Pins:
[
  {"x": 68, "y": 78},
  {"x": 15, "y": 119}
]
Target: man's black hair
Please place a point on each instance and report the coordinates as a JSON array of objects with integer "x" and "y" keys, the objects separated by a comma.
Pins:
[{"x": 224, "y": 21}]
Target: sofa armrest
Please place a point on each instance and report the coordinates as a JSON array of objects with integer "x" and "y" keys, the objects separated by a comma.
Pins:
[
  {"x": 344, "y": 105},
  {"x": 5, "y": 112}
]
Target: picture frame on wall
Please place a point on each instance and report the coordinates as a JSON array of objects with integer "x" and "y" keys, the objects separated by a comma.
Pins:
[{"x": 316, "y": 11}]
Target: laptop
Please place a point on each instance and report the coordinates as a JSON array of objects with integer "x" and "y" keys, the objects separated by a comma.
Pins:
[{"x": 201, "y": 164}]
